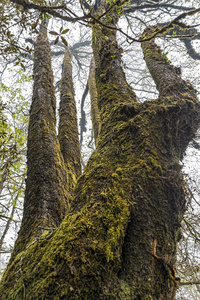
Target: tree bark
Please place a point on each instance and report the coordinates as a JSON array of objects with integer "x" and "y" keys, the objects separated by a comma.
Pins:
[
  {"x": 46, "y": 195},
  {"x": 119, "y": 238},
  {"x": 68, "y": 130},
  {"x": 94, "y": 101}
]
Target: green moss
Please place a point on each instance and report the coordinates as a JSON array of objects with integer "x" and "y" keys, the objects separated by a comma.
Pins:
[
  {"x": 68, "y": 131},
  {"x": 154, "y": 162},
  {"x": 129, "y": 196}
]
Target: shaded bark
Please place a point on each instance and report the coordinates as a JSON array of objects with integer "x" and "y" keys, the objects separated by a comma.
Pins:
[
  {"x": 119, "y": 239},
  {"x": 83, "y": 117},
  {"x": 176, "y": 93},
  {"x": 46, "y": 194},
  {"x": 149, "y": 252},
  {"x": 68, "y": 130},
  {"x": 94, "y": 101}
]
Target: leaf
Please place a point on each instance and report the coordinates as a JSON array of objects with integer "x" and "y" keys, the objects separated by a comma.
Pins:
[
  {"x": 65, "y": 31},
  {"x": 53, "y": 33},
  {"x": 22, "y": 65},
  {"x": 56, "y": 40},
  {"x": 34, "y": 25},
  {"x": 64, "y": 41},
  {"x": 47, "y": 16}
]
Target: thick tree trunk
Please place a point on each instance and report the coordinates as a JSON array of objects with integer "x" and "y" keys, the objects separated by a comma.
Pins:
[
  {"x": 119, "y": 239},
  {"x": 46, "y": 195}
]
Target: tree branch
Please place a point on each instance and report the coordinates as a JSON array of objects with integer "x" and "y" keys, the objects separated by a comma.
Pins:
[
  {"x": 158, "y": 5},
  {"x": 189, "y": 282},
  {"x": 51, "y": 11}
]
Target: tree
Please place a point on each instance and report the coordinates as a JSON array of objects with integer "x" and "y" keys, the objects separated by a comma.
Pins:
[
  {"x": 13, "y": 124},
  {"x": 115, "y": 235}
]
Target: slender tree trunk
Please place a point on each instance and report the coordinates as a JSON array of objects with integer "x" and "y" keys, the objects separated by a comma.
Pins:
[
  {"x": 68, "y": 130},
  {"x": 3, "y": 180},
  {"x": 10, "y": 219},
  {"x": 94, "y": 101},
  {"x": 119, "y": 238}
]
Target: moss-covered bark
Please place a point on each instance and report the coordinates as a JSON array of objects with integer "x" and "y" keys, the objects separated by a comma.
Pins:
[
  {"x": 177, "y": 94},
  {"x": 46, "y": 198},
  {"x": 68, "y": 131},
  {"x": 94, "y": 101},
  {"x": 119, "y": 239}
]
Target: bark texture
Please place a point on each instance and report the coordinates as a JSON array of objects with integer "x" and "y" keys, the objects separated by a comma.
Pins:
[
  {"x": 68, "y": 130},
  {"x": 94, "y": 101},
  {"x": 119, "y": 238},
  {"x": 46, "y": 194}
]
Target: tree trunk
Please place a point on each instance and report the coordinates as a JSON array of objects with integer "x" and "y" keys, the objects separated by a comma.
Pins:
[
  {"x": 119, "y": 238},
  {"x": 68, "y": 130},
  {"x": 46, "y": 195},
  {"x": 3, "y": 178},
  {"x": 94, "y": 101}
]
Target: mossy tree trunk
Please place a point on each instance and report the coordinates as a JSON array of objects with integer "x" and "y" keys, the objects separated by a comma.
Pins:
[
  {"x": 57, "y": 161},
  {"x": 94, "y": 101},
  {"x": 119, "y": 237},
  {"x": 46, "y": 195},
  {"x": 68, "y": 130}
]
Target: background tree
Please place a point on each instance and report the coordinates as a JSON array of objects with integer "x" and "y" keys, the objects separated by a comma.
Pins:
[{"x": 12, "y": 166}]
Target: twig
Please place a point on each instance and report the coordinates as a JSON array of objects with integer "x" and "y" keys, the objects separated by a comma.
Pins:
[{"x": 189, "y": 282}]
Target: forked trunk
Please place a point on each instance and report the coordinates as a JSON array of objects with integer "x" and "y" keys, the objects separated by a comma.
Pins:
[{"x": 119, "y": 238}]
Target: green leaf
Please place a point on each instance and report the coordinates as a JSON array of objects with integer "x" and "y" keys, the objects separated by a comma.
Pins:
[
  {"x": 53, "y": 33},
  {"x": 47, "y": 16},
  {"x": 56, "y": 40},
  {"x": 64, "y": 41},
  {"x": 22, "y": 65},
  {"x": 64, "y": 31}
]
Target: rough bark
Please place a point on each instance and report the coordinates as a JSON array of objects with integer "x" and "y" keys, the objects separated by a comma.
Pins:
[
  {"x": 94, "y": 101},
  {"x": 46, "y": 195},
  {"x": 119, "y": 239},
  {"x": 68, "y": 130},
  {"x": 83, "y": 118}
]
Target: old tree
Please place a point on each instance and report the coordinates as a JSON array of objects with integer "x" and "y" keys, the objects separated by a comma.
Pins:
[{"x": 112, "y": 232}]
